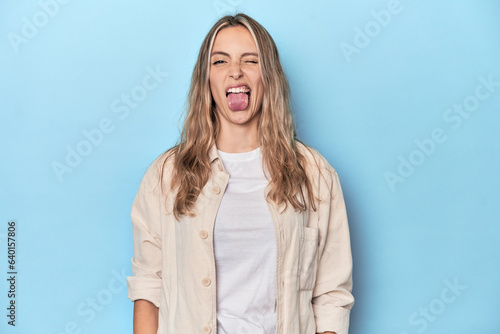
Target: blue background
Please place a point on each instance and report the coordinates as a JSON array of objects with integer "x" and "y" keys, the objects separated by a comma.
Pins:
[{"x": 435, "y": 225}]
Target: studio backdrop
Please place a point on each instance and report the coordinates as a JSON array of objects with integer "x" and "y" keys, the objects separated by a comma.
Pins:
[{"x": 402, "y": 97}]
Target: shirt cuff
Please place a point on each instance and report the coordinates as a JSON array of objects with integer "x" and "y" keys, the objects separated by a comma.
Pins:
[
  {"x": 144, "y": 288},
  {"x": 331, "y": 319}
]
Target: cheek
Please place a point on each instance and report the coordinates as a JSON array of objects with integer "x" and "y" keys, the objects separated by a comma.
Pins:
[
  {"x": 260, "y": 85},
  {"x": 212, "y": 81},
  {"x": 260, "y": 93},
  {"x": 216, "y": 87}
]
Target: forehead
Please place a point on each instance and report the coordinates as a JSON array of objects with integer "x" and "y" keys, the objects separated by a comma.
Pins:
[{"x": 234, "y": 39}]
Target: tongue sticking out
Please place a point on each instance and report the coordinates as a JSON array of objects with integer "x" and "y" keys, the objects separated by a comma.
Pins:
[{"x": 237, "y": 101}]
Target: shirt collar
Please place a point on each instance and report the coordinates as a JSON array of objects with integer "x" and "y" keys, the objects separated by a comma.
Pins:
[{"x": 213, "y": 153}]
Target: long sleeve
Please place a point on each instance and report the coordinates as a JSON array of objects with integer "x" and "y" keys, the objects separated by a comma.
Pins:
[
  {"x": 332, "y": 298},
  {"x": 146, "y": 262}
]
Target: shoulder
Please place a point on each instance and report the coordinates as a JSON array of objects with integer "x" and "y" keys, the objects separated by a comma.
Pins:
[
  {"x": 314, "y": 159},
  {"x": 160, "y": 170},
  {"x": 322, "y": 175}
]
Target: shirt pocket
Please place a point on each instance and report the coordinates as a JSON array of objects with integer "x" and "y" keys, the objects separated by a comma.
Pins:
[{"x": 308, "y": 258}]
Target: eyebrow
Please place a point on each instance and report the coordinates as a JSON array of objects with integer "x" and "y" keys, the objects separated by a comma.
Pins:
[{"x": 227, "y": 54}]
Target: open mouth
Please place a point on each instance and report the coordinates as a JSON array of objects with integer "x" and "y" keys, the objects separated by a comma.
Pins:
[{"x": 238, "y": 98}]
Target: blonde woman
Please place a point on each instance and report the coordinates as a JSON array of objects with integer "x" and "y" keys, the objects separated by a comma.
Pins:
[{"x": 240, "y": 228}]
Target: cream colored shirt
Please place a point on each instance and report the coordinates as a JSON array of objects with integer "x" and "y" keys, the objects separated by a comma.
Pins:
[{"x": 174, "y": 266}]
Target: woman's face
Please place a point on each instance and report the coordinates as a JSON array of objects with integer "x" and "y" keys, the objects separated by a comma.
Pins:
[{"x": 235, "y": 80}]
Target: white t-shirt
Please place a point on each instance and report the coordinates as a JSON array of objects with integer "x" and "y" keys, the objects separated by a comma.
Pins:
[{"x": 245, "y": 250}]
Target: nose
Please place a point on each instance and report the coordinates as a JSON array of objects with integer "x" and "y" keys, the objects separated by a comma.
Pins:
[{"x": 235, "y": 71}]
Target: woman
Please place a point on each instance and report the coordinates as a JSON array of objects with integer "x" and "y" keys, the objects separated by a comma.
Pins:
[{"x": 240, "y": 228}]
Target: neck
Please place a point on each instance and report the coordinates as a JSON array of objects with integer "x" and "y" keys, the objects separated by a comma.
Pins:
[{"x": 237, "y": 139}]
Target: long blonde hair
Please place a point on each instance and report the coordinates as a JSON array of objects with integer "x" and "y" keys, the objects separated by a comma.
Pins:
[{"x": 285, "y": 164}]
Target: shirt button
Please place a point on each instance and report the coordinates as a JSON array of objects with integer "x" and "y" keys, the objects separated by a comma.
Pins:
[
  {"x": 203, "y": 234},
  {"x": 216, "y": 190},
  {"x": 206, "y": 281},
  {"x": 220, "y": 166},
  {"x": 207, "y": 329}
]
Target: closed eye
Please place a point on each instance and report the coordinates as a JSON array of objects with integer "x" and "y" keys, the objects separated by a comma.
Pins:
[{"x": 218, "y": 62}]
